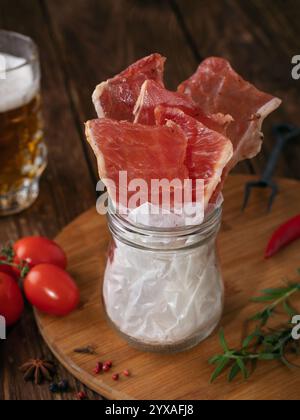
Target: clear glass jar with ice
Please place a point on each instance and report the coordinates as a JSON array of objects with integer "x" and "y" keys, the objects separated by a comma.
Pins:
[{"x": 163, "y": 288}]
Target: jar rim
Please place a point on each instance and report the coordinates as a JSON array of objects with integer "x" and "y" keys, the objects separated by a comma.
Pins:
[
  {"x": 211, "y": 221},
  {"x": 34, "y": 53}
]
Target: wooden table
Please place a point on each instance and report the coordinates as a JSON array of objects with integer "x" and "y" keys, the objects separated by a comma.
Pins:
[{"x": 83, "y": 42}]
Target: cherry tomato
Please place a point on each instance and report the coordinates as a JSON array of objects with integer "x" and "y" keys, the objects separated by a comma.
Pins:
[
  {"x": 51, "y": 290},
  {"x": 10, "y": 270},
  {"x": 6, "y": 269},
  {"x": 36, "y": 250},
  {"x": 11, "y": 300}
]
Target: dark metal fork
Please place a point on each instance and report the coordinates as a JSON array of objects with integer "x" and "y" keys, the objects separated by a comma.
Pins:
[{"x": 283, "y": 133}]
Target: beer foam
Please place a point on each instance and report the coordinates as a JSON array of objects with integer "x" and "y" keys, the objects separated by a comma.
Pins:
[{"x": 17, "y": 87}]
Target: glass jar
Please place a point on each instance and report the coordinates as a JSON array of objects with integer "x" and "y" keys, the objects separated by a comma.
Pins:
[
  {"x": 23, "y": 156},
  {"x": 163, "y": 288}
]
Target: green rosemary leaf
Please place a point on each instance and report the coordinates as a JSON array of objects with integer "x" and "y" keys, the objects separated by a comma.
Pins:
[
  {"x": 219, "y": 370},
  {"x": 268, "y": 356},
  {"x": 248, "y": 340},
  {"x": 269, "y": 295},
  {"x": 215, "y": 359},
  {"x": 282, "y": 344},
  {"x": 274, "y": 342},
  {"x": 287, "y": 363},
  {"x": 282, "y": 290},
  {"x": 235, "y": 370},
  {"x": 223, "y": 341},
  {"x": 288, "y": 309},
  {"x": 257, "y": 317},
  {"x": 263, "y": 316},
  {"x": 263, "y": 343},
  {"x": 243, "y": 368},
  {"x": 276, "y": 292},
  {"x": 265, "y": 298}
]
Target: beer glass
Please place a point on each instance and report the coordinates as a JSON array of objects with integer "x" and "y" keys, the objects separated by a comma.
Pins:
[{"x": 23, "y": 154}]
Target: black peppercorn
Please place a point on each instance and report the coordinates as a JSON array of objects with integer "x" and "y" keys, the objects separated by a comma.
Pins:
[{"x": 54, "y": 388}]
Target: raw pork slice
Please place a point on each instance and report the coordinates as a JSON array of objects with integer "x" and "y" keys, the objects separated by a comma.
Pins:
[
  {"x": 217, "y": 88},
  {"x": 208, "y": 151},
  {"x": 153, "y": 94},
  {"x": 147, "y": 153},
  {"x": 116, "y": 97}
]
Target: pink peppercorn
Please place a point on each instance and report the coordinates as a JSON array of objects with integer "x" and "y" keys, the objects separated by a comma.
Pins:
[
  {"x": 106, "y": 368},
  {"x": 81, "y": 395},
  {"x": 98, "y": 368},
  {"x": 109, "y": 363}
]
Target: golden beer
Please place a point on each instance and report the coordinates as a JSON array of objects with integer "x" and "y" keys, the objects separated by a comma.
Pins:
[
  {"x": 23, "y": 154},
  {"x": 21, "y": 137}
]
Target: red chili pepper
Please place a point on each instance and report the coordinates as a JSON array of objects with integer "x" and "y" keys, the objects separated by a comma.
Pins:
[{"x": 283, "y": 236}]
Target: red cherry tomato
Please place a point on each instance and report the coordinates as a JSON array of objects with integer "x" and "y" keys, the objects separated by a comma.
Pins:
[
  {"x": 10, "y": 270},
  {"x": 11, "y": 300},
  {"x": 7, "y": 269},
  {"x": 51, "y": 290},
  {"x": 36, "y": 250}
]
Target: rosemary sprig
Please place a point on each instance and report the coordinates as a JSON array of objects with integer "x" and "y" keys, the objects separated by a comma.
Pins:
[{"x": 262, "y": 344}]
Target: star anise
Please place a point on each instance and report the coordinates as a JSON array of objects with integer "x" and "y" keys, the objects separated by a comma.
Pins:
[{"x": 38, "y": 370}]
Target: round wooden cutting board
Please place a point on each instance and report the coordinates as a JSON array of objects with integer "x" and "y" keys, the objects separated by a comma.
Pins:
[{"x": 183, "y": 376}]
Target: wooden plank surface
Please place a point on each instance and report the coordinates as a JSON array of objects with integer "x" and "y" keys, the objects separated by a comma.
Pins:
[
  {"x": 83, "y": 42},
  {"x": 72, "y": 34},
  {"x": 66, "y": 191},
  {"x": 185, "y": 375},
  {"x": 124, "y": 31},
  {"x": 259, "y": 39}
]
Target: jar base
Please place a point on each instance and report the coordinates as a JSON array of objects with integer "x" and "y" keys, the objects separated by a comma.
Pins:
[{"x": 176, "y": 347}]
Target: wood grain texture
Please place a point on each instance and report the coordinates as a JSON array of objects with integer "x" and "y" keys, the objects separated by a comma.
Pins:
[
  {"x": 85, "y": 41},
  {"x": 183, "y": 376},
  {"x": 259, "y": 39},
  {"x": 66, "y": 190},
  {"x": 106, "y": 36},
  {"x": 109, "y": 36}
]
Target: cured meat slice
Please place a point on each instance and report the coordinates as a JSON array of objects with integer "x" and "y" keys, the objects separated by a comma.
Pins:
[
  {"x": 153, "y": 94},
  {"x": 208, "y": 151},
  {"x": 144, "y": 152},
  {"x": 116, "y": 97},
  {"x": 217, "y": 88}
]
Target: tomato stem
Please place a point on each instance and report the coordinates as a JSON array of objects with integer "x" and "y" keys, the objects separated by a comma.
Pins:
[
  {"x": 23, "y": 267},
  {"x": 2, "y": 262}
]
